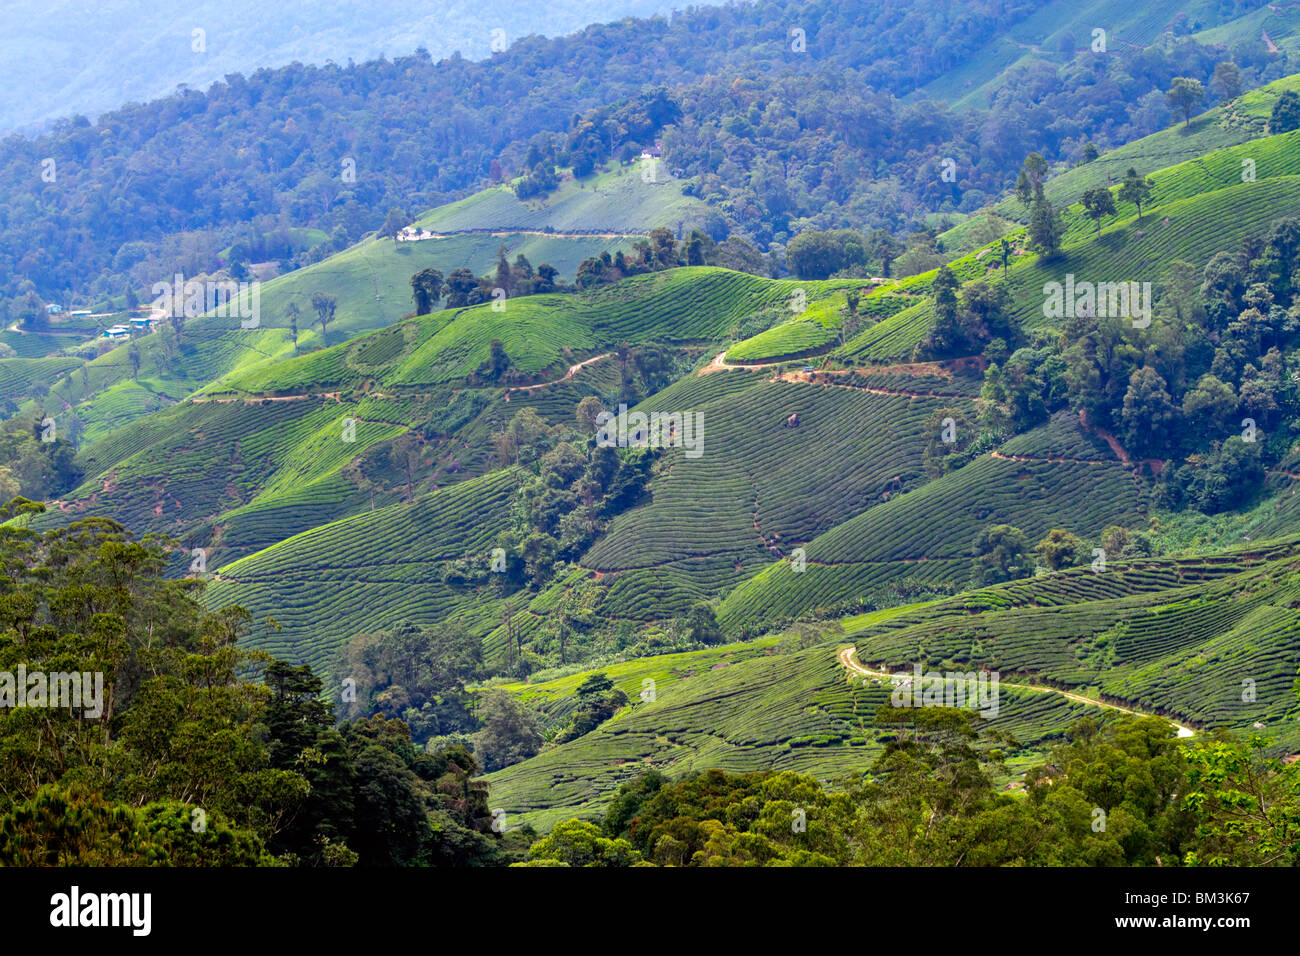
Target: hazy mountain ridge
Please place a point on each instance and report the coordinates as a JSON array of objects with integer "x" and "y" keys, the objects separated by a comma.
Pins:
[{"x": 48, "y": 70}]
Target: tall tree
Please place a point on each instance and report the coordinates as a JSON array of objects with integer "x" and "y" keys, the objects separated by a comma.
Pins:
[
  {"x": 293, "y": 312},
  {"x": 1098, "y": 202},
  {"x": 503, "y": 278},
  {"x": 1046, "y": 230},
  {"x": 460, "y": 283},
  {"x": 1286, "y": 113},
  {"x": 324, "y": 306},
  {"x": 1029, "y": 183},
  {"x": 426, "y": 289},
  {"x": 1226, "y": 81},
  {"x": 394, "y": 223},
  {"x": 1001, "y": 554},
  {"x": 884, "y": 247},
  {"x": 1149, "y": 415},
  {"x": 1184, "y": 96},
  {"x": 1135, "y": 189}
]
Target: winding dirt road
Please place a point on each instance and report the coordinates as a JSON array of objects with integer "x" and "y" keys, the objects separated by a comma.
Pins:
[
  {"x": 848, "y": 657},
  {"x": 519, "y": 232},
  {"x": 573, "y": 370},
  {"x": 720, "y": 363}
]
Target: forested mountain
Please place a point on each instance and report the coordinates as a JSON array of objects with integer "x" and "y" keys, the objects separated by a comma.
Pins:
[
  {"x": 778, "y": 130},
  {"x": 139, "y": 50},
  {"x": 635, "y": 460}
]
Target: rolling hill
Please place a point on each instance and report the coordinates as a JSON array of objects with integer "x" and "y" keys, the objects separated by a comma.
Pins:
[
  {"x": 370, "y": 283},
  {"x": 367, "y": 477}
]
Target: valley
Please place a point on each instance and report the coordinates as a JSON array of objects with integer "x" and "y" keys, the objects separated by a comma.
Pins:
[{"x": 575, "y": 476}]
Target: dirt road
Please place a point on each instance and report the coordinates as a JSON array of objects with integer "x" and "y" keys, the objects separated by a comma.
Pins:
[{"x": 849, "y": 659}]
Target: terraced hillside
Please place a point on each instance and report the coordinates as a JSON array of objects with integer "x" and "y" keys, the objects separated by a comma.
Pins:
[
  {"x": 829, "y": 463},
  {"x": 539, "y": 333},
  {"x": 391, "y": 574},
  {"x": 763, "y": 487},
  {"x": 622, "y": 200},
  {"x": 370, "y": 283},
  {"x": 1039, "y": 39},
  {"x": 444, "y": 469},
  {"x": 786, "y": 711},
  {"x": 1197, "y": 208},
  {"x": 1240, "y": 122},
  {"x": 1175, "y": 637},
  {"x": 928, "y": 533},
  {"x": 267, "y": 457},
  {"x": 1192, "y": 229}
]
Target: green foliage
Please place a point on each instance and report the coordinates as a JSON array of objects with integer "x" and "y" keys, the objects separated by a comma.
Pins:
[
  {"x": 172, "y": 731},
  {"x": 1114, "y": 794},
  {"x": 1046, "y": 229},
  {"x": 1135, "y": 189},
  {"x": 817, "y": 255},
  {"x": 416, "y": 674},
  {"x": 426, "y": 289},
  {"x": 1226, "y": 81},
  {"x": 1286, "y": 113},
  {"x": 1097, "y": 203},
  {"x": 35, "y": 460},
  {"x": 472, "y": 436},
  {"x": 510, "y": 731},
  {"x": 703, "y": 625},
  {"x": 578, "y": 843},
  {"x": 967, "y": 326},
  {"x": 1060, "y": 549},
  {"x": 77, "y": 827},
  {"x": 1184, "y": 95},
  {"x": 1001, "y": 554},
  {"x": 1247, "y": 806},
  {"x": 598, "y": 701}
]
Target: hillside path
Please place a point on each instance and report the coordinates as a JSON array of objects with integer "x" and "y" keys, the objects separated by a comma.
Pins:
[
  {"x": 849, "y": 659},
  {"x": 553, "y": 234},
  {"x": 573, "y": 370},
  {"x": 719, "y": 362},
  {"x": 1056, "y": 461},
  {"x": 72, "y": 335}
]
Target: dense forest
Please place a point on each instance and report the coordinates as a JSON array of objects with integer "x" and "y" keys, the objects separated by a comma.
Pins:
[{"x": 778, "y": 140}]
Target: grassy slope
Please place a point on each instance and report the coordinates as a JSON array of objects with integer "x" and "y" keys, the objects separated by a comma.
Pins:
[
  {"x": 704, "y": 539},
  {"x": 1242, "y": 120},
  {"x": 263, "y": 481},
  {"x": 1175, "y": 636},
  {"x": 694, "y": 538},
  {"x": 927, "y": 534},
  {"x": 617, "y": 200},
  {"x": 1198, "y": 207},
  {"x": 260, "y": 461},
  {"x": 370, "y": 571},
  {"x": 1280, "y": 21},
  {"x": 371, "y": 283},
  {"x": 760, "y": 488},
  {"x": 1178, "y": 635},
  {"x": 1038, "y": 38}
]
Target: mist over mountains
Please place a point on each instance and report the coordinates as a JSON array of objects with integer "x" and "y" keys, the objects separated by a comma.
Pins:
[{"x": 59, "y": 57}]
